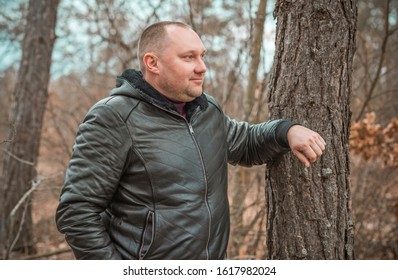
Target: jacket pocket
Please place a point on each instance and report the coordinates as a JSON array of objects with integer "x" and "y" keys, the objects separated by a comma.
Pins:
[
  {"x": 147, "y": 235},
  {"x": 106, "y": 218}
]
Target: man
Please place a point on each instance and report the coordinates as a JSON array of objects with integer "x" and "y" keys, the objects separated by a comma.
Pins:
[{"x": 148, "y": 175}]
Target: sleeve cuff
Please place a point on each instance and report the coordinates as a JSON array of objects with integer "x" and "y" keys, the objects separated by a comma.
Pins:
[{"x": 281, "y": 132}]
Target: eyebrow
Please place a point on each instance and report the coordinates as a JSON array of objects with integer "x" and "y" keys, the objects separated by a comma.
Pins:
[{"x": 194, "y": 51}]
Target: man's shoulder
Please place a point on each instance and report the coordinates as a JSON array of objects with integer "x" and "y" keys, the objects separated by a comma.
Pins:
[
  {"x": 119, "y": 104},
  {"x": 213, "y": 102}
]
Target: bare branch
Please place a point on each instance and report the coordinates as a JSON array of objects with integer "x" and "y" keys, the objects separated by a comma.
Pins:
[
  {"x": 23, "y": 200},
  {"x": 35, "y": 183},
  {"x": 191, "y": 15},
  {"x": 18, "y": 158},
  {"x": 387, "y": 34},
  {"x": 19, "y": 229}
]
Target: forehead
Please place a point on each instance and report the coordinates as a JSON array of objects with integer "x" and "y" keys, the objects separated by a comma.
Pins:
[{"x": 184, "y": 39}]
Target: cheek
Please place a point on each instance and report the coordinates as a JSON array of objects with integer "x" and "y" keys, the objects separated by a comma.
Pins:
[
  {"x": 176, "y": 69},
  {"x": 180, "y": 73}
]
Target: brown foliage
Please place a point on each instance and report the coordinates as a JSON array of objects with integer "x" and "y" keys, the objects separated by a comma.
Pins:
[
  {"x": 374, "y": 161},
  {"x": 372, "y": 140}
]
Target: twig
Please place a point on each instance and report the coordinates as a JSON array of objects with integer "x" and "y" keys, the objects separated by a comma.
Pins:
[
  {"x": 9, "y": 250},
  {"x": 35, "y": 183},
  {"x": 373, "y": 85},
  {"x": 191, "y": 15},
  {"x": 18, "y": 158}
]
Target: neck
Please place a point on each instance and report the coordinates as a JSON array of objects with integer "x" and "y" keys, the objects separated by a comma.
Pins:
[{"x": 179, "y": 105}]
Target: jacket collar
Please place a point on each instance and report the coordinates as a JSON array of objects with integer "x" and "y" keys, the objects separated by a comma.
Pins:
[{"x": 147, "y": 91}]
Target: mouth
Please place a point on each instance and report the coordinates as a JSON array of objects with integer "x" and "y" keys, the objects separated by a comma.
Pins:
[{"x": 197, "y": 80}]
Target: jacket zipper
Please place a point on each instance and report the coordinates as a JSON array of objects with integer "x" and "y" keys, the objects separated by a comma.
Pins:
[
  {"x": 206, "y": 185},
  {"x": 150, "y": 215},
  {"x": 192, "y": 133}
]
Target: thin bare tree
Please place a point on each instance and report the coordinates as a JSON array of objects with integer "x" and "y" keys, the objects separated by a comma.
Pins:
[
  {"x": 243, "y": 183},
  {"x": 26, "y": 116}
]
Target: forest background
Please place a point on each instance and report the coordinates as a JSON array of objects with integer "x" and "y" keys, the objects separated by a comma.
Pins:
[{"x": 96, "y": 40}]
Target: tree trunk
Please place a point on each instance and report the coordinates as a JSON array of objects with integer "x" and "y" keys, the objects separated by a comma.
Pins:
[
  {"x": 26, "y": 116},
  {"x": 309, "y": 209},
  {"x": 255, "y": 57}
]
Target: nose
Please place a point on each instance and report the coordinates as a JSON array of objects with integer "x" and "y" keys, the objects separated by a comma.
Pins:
[{"x": 200, "y": 66}]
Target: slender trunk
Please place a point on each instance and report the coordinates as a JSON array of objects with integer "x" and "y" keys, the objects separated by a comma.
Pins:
[
  {"x": 241, "y": 183},
  {"x": 26, "y": 117},
  {"x": 255, "y": 55}
]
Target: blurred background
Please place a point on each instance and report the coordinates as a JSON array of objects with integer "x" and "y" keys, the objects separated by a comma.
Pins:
[{"x": 96, "y": 40}]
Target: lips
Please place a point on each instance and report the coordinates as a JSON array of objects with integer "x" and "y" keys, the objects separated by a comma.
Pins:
[
  {"x": 197, "y": 79},
  {"x": 197, "y": 82}
]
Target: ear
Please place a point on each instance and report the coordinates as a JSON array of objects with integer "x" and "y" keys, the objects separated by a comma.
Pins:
[{"x": 151, "y": 62}]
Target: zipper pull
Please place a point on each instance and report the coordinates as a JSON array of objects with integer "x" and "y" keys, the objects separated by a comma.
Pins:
[{"x": 190, "y": 129}]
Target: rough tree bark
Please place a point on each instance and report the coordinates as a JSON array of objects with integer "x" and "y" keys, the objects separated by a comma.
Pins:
[
  {"x": 309, "y": 211},
  {"x": 26, "y": 117}
]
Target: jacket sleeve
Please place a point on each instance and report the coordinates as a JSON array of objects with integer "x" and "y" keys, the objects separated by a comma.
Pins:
[
  {"x": 101, "y": 147},
  {"x": 258, "y": 143}
]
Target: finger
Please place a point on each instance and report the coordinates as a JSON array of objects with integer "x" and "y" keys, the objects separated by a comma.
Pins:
[
  {"x": 302, "y": 158},
  {"x": 321, "y": 141},
  {"x": 317, "y": 148}
]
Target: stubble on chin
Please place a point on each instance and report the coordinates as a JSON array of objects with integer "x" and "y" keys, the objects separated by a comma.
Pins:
[{"x": 194, "y": 93}]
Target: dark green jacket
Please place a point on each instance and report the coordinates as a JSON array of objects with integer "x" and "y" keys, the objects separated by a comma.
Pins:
[{"x": 145, "y": 183}]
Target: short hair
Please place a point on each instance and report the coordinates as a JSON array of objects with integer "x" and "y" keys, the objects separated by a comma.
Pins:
[{"x": 153, "y": 38}]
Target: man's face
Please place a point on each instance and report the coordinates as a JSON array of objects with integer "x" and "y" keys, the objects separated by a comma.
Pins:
[{"x": 181, "y": 65}]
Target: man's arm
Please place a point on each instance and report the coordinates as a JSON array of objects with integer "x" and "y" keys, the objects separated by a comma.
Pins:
[
  {"x": 263, "y": 143},
  {"x": 257, "y": 143},
  {"x": 101, "y": 147}
]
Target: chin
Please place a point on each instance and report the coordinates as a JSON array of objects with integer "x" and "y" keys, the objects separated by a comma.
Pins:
[
  {"x": 190, "y": 98},
  {"x": 196, "y": 96}
]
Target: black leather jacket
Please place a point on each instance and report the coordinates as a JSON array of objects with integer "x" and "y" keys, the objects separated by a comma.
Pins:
[{"x": 145, "y": 183}]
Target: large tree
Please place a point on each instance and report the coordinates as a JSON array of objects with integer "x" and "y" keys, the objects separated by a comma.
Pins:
[
  {"x": 309, "y": 211},
  {"x": 25, "y": 118}
]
